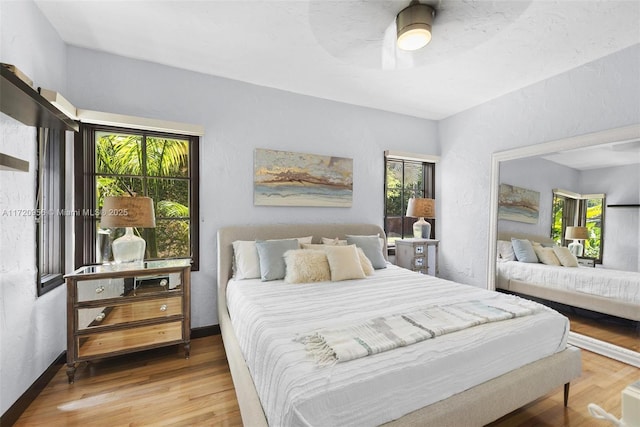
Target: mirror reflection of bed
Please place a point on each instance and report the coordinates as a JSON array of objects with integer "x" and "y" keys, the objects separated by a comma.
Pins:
[{"x": 608, "y": 312}]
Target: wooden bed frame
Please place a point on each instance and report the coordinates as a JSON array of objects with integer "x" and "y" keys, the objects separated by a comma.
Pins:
[
  {"x": 623, "y": 309},
  {"x": 474, "y": 407}
]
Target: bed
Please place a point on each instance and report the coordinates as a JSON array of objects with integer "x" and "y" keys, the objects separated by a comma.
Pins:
[
  {"x": 408, "y": 379},
  {"x": 611, "y": 292}
]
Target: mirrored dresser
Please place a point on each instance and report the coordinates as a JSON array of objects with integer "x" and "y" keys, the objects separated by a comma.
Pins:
[{"x": 114, "y": 309}]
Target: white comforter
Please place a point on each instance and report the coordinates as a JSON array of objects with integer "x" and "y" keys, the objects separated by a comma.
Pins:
[
  {"x": 620, "y": 285},
  {"x": 294, "y": 391}
]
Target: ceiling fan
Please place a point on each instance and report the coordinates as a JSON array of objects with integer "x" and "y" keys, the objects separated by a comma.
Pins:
[{"x": 365, "y": 33}]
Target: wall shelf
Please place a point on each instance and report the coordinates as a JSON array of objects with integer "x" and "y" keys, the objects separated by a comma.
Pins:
[
  {"x": 624, "y": 206},
  {"x": 10, "y": 163},
  {"x": 25, "y": 104}
]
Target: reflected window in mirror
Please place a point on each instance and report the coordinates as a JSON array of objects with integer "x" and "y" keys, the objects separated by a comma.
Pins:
[{"x": 582, "y": 210}]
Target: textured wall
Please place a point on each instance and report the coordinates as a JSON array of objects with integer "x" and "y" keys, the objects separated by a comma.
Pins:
[
  {"x": 238, "y": 118},
  {"x": 32, "y": 329},
  {"x": 597, "y": 96}
]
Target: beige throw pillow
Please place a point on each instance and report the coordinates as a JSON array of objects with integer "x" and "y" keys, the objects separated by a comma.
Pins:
[
  {"x": 306, "y": 266},
  {"x": 344, "y": 263},
  {"x": 566, "y": 258},
  {"x": 546, "y": 255}
]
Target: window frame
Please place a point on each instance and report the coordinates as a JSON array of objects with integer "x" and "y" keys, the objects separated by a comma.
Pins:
[
  {"x": 428, "y": 191},
  {"x": 50, "y": 209},
  {"x": 577, "y": 216},
  {"x": 85, "y": 188}
]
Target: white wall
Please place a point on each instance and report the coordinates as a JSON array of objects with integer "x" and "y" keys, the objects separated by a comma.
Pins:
[
  {"x": 32, "y": 329},
  {"x": 597, "y": 96},
  {"x": 622, "y": 225},
  {"x": 542, "y": 176},
  {"x": 238, "y": 118}
]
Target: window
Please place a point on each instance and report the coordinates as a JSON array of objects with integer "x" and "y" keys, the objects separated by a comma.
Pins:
[
  {"x": 119, "y": 161},
  {"x": 405, "y": 178},
  {"x": 571, "y": 209},
  {"x": 50, "y": 209}
]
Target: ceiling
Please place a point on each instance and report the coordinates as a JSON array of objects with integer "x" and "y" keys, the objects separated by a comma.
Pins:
[
  {"x": 606, "y": 155},
  {"x": 344, "y": 50}
]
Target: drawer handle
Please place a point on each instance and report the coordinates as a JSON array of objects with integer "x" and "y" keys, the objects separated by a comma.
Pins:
[
  {"x": 164, "y": 282},
  {"x": 99, "y": 289},
  {"x": 163, "y": 307},
  {"x": 100, "y": 317}
]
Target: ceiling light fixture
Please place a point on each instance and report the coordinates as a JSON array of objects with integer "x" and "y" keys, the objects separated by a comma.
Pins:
[{"x": 413, "y": 24}]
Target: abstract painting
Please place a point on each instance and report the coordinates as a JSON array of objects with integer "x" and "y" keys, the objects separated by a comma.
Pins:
[
  {"x": 518, "y": 204},
  {"x": 284, "y": 178}
]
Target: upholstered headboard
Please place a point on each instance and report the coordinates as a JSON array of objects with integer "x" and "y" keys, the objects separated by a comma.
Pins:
[{"x": 507, "y": 235}]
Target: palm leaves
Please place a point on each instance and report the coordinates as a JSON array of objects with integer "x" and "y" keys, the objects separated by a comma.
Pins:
[{"x": 152, "y": 166}]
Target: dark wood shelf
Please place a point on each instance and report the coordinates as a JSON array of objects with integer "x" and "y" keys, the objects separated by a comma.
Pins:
[
  {"x": 624, "y": 206},
  {"x": 25, "y": 104}
]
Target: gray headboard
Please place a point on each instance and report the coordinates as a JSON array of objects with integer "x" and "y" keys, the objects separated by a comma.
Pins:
[{"x": 507, "y": 235}]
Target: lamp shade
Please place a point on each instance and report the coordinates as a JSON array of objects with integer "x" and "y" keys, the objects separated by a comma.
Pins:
[
  {"x": 421, "y": 208},
  {"x": 128, "y": 212},
  {"x": 576, "y": 233}
]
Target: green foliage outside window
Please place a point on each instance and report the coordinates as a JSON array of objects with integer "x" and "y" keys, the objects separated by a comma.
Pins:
[
  {"x": 593, "y": 209},
  {"x": 155, "y": 167}
]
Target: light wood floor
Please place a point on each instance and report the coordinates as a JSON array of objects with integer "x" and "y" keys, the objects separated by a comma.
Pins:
[{"x": 160, "y": 387}]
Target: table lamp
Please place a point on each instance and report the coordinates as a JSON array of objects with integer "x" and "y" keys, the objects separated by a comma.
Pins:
[
  {"x": 421, "y": 209},
  {"x": 128, "y": 212},
  {"x": 576, "y": 234}
]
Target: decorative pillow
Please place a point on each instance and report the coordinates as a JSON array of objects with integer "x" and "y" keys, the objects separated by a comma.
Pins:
[
  {"x": 566, "y": 258},
  {"x": 333, "y": 242},
  {"x": 365, "y": 263},
  {"x": 306, "y": 266},
  {"x": 505, "y": 251},
  {"x": 372, "y": 247},
  {"x": 524, "y": 250},
  {"x": 344, "y": 263},
  {"x": 546, "y": 255},
  {"x": 271, "y": 254},
  {"x": 246, "y": 261},
  {"x": 246, "y": 264}
]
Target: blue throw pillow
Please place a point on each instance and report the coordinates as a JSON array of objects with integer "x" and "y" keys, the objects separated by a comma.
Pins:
[
  {"x": 271, "y": 255},
  {"x": 371, "y": 247},
  {"x": 524, "y": 250}
]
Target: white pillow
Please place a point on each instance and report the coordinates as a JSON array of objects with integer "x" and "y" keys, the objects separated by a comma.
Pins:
[
  {"x": 306, "y": 266},
  {"x": 344, "y": 263},
  {"x": 333, "y": 242},
  {"x": 246, "y": 263},
  {"x": 546, "y": 255},
  {"x": 566, "y": 258},
  {"x": 505, "y": 251}
]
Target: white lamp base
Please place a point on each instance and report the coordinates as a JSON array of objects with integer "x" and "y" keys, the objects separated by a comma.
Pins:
[
  {"x": 128, "y": 248},
  {"x": 576, "y": 248},
  {"x": 421, "y": 229}
]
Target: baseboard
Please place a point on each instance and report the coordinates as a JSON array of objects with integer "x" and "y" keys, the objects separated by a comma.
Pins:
[
  {"x": 13, "y": 413},
  {"x": 205, "y": 331}
]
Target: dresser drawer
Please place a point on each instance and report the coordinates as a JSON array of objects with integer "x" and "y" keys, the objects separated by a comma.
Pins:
[
  {"x": 126, "y": 339},
  {"x": 129, "y": 312},
  {"x": 94, "y": 290}
]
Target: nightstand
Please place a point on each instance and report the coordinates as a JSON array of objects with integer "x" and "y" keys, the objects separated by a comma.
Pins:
[
  {"x": 586, "y": 262},
  {"x": 415, "y": 254},
  {"x": 114, "y": 309}
]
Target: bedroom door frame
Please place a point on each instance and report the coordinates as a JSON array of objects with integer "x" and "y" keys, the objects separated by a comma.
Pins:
[{"x": 621, "y": 134}]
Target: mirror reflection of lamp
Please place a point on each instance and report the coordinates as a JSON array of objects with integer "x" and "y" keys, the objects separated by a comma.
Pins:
[
  {"x": 421, "y": 209},
  {"x": 128, "y": 212},
  {"x": 577, "y": 234}
]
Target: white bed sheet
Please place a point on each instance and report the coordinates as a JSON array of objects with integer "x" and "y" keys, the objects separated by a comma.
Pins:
[
  {"x": 615, "y": 284},
  {"x": 294, "y": 391}
]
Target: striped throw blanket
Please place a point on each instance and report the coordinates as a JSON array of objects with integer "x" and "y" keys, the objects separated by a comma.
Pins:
[{"x": 330, "y": 346}]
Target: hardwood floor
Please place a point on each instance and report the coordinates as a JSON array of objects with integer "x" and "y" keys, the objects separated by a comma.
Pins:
[{"x": 160, "y": 387}]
